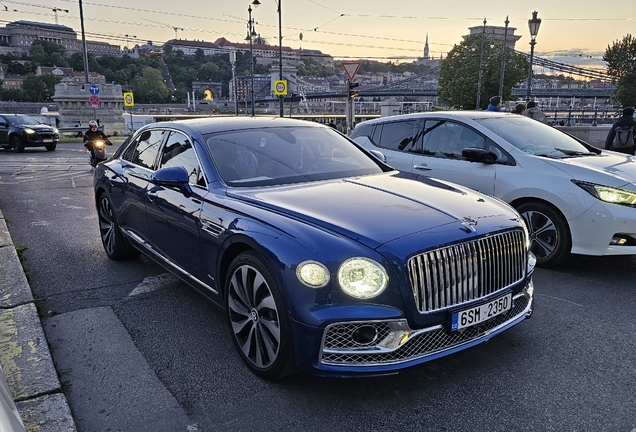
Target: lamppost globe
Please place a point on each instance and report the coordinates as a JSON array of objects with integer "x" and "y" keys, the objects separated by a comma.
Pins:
[{"x": 533, "y": 26}]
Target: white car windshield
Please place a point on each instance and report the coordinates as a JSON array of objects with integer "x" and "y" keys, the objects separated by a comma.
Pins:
[{"x": 534, "y": 137}]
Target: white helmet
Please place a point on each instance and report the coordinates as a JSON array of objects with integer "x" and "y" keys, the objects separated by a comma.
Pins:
[{"x": 92, "y": 123}]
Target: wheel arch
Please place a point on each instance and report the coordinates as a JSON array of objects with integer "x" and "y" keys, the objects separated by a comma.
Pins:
[{"x": 517, "y": 202}]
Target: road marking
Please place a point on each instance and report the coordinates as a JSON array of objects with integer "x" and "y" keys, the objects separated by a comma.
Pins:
[
  {"x": 558, "y": 298},
  {"x": 153, "y": 283}
]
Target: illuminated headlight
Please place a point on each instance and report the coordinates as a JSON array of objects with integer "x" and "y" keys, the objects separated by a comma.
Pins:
[
  {"x": 29, "y": 131},
  {"x": 313, "y": 274},
  {"x": 56, "y": 131},
  {"x": 609, "y": 194},
  {"x": 362, "y": 278}
]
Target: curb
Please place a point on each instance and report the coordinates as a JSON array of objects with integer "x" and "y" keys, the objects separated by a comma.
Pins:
[{"x": 24, "y": 352}]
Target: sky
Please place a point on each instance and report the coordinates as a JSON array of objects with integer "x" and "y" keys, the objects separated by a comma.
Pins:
[{"x": 575, "y": 33}]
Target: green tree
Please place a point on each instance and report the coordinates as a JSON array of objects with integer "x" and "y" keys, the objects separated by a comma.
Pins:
[
  {"x": 46, "y": 53},
  {"x": 149, "y": 87},
  {"x": 621, "y": 66},
  {"x": 459, "y": 75},
  {"x": 40, "y": 88}
]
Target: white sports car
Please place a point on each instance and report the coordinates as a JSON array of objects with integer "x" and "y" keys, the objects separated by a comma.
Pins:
[{"x": 575, "y": 198}]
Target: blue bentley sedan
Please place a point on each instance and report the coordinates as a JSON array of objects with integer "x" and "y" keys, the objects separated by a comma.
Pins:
[{"x": 323, "y": 257}]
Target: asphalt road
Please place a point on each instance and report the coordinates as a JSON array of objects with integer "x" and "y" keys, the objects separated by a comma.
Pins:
[{"x": 138, "y": 350}]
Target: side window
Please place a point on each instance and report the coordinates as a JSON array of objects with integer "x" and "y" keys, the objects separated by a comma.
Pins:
[
  {"x": 143, "y": 151},
  {"x": 447, "y": 140},
  {"x": 399, "y": 135},
  {"x": 363, "y": 129},
  {"x": 178, "y": 151}
]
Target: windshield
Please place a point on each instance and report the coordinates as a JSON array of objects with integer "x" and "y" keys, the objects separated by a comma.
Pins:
[
  {"x": 272, "y": 156},
  {"x": 22, "y": 120},
  {"x": 535, "y": 137}
]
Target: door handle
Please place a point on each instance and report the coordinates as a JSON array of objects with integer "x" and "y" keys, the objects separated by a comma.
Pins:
[{"x": 422, "y": 167}]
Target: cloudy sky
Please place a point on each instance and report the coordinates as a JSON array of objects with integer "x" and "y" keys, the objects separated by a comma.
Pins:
[{"x": 571, "y": 32}]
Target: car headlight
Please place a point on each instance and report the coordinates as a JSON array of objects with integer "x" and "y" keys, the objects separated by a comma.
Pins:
[
  {"x": 29, "y": 130},
  {"x": 362, "y": 278},
  {"x": 56, "y": 131},
  {"x": 608, "y": 194},
  {"x": 313, "y": 274}
]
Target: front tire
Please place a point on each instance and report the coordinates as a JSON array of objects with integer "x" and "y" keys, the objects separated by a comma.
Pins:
[
  {"x": 50, "y": 147},
  {"x": 18, "y": 144},
  {"x": 257, "y": 318},
  {"x": 115, "y": 244},
  {"x": 550, "y": 236}
]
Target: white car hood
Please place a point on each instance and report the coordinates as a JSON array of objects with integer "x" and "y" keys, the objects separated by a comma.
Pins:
[{"x": 609, "y": 168}]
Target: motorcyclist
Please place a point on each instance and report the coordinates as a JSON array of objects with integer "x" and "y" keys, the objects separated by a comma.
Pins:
[{"x": 93, "y": 134}]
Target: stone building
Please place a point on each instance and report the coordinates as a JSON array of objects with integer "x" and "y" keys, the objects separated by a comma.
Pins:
[{"x": 74, "y": 106}]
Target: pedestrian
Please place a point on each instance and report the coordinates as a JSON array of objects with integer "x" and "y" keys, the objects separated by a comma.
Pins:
[
  {"x": 339, "y": 126},
  {"x": 494, "y": 104},
  {"x": 331, "y": 124},
  {"x": 519, "y": 109},
  {"x": 534, "y": 112},
  {"x": 621, "y": 136}
]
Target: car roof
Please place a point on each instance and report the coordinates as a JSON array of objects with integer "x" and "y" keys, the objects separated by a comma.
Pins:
[
  {"x": 473, "y": 115},
  {"x": 227, "y": 123},
  {"x": 15, "y": 115}
]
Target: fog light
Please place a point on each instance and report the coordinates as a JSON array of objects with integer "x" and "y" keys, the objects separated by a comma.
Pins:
[
  {"x": 618, "y": 241},
  {"x": 364, "y": 335}
]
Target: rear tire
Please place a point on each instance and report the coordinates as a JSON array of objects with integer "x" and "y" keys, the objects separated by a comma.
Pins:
[
  {"x": 17, "y": 144},
  {"x": 116, "y": 246},
  {"x": 550, "y": 238},
  {"x": 258, "y": 319}
]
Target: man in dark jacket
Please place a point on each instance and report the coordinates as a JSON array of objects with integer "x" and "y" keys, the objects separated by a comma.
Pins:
[
  {"x": 622, "y": 128},
  {"x": 94, "y": 134}
]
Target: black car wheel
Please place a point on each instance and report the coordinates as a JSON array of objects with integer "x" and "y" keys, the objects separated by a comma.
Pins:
[
  {"x": 258, "y": 321},
  {"x": 115, "y": 244},
  {"x": 50, "y": 147},
  {"x": 550, "y": 236},
  {"x": 17, "y": 143}
]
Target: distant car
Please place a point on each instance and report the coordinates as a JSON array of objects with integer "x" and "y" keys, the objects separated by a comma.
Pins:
[
  {"x": 18, "y": 131},
  {"x": 323, "y": 257},
  {"x": 575, "y": 198}
]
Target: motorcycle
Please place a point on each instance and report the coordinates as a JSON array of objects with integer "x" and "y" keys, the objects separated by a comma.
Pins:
[{"x": 97, "y": 151}]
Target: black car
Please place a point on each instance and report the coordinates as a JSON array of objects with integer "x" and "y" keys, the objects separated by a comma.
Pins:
[{"x": 18, "y": 131}]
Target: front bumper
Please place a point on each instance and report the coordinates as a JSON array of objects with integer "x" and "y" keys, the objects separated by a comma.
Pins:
[
  {"x": 397, "y": 346},
  {"x": 592, "y": 232}
]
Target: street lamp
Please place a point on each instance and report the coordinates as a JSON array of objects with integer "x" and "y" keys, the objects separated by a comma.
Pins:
[
  {"x": 251, "y": 33},
  {"x": 503, "y": 58},
  {"x": 533, "y": 25},
  {"x": 280, "y": 47},
  {"x": 481, "y": 64}
]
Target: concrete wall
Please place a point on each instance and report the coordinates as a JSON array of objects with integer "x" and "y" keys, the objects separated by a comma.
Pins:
[
  {"x": 594, "y": 135},
  {"x": 72, "y": 100}
]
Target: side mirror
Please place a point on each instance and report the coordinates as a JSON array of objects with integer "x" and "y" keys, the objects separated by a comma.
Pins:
[
  {"x": 379, "y": 155},
  {"x": 175, "y": 177},
  {"x": 475, "y": 154}
]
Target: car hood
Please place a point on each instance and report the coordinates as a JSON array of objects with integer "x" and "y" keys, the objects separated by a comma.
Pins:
[
  {"x": 609, "y": 168},
  {"x": 379, "y": 208}
]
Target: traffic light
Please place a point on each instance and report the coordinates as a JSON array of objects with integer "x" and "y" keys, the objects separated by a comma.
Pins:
[{"x": 353, "y": 93}]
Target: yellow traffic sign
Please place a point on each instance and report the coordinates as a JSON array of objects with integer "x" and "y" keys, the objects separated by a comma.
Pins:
[
  {"x": 129, "y": 100},
  {"x": 280, "y": 87}
]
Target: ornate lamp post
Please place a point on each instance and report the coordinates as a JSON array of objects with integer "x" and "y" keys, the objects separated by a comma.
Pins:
[
  {"x": 503, "y": 59},
  {"x": 251, "y": 33},
  {"x": 533, "y": 25},
  {"x": 481, "y": 65}
]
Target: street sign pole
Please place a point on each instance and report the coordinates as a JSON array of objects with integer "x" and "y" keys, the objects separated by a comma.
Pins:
[{"x": 350, "y": 68}]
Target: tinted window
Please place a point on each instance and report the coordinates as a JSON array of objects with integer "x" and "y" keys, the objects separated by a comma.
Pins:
[
  {"x": 178, "y": 151},
  {"x": 447, "y": 139},
  {"x": 363, "y": 129},
  {"x": 22, "y": 120},
  {"x": 143, "y": 151},
  {"x": 398, "y": 135},
  {"x": 272, "y": 156}
]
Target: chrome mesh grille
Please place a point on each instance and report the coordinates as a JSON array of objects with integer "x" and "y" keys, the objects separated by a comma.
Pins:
[
  {"x": 422, "y": 345},
  {"x": 467, "y": 271}
]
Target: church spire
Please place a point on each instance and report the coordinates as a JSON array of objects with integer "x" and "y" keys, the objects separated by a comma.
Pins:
[{"x": 426, "y": 57}]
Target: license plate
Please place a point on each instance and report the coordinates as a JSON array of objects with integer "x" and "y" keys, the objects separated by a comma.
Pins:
[
  {"x": 481, "y": 313},
  {"x": 47, "y": 140}
]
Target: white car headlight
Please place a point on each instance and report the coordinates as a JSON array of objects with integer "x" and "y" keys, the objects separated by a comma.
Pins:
[
  {"x": 29, "y": 130},
  {"x": 313, "y": 274},
  {"x": 362, "y": 278},
  {"x": 609, "y": 194}
]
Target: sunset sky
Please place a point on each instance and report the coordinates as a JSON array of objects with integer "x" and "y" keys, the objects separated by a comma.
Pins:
[{"x": 571, "y": 32}]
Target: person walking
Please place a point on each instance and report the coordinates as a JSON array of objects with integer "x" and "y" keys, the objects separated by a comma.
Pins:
[
  {"x": 621, "y": 136},
  {"x": 494, "y": 104},
  {"x": 534, "y": 112}
]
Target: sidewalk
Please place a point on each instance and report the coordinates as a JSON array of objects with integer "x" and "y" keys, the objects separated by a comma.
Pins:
[{"x": 24, "y": 352}]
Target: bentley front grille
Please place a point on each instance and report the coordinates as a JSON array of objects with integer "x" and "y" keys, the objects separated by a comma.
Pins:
[{"x": 463, "y": 272}]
